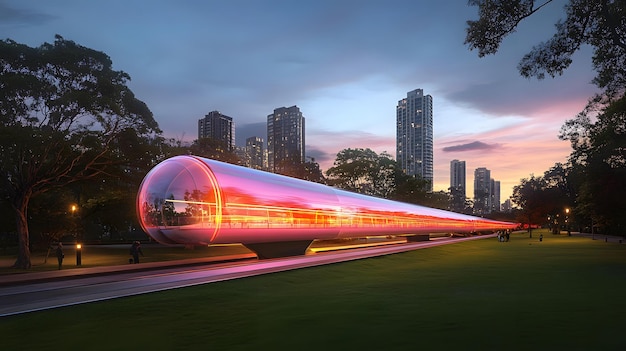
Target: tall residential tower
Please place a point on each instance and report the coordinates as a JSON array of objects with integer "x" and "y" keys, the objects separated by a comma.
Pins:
[
  {"x": 457, "y": 186},
  {"x": 482, "y": 191},
  {"x": 457, "y": 177},
  {"x": 218, "y": 127},
  {"x": 285, "y": 139},
  {"x": 255, "y": 153},
  {"x": 414, "y": 135}
]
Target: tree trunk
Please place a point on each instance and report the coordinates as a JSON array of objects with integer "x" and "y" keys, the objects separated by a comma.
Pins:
[{"x": 21, "y": 219}]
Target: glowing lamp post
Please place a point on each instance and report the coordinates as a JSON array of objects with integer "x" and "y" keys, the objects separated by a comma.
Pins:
[
  {"x": 79, "y": 248},
  {"x": 78, "y": 244},
  {"x": 569, "y": 233}
]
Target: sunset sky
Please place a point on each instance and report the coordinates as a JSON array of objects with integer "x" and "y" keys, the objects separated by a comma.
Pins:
[{"x": 344, "y": 63}]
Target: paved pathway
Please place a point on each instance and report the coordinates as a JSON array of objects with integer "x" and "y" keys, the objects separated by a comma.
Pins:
[{"x": 53, "y": 289}]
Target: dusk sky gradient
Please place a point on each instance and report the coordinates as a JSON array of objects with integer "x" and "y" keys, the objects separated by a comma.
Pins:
[{"x": 344, "y": 63}]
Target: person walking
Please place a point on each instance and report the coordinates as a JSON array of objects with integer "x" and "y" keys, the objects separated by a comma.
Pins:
[
  {"x": 60, "y": 254},
  {"x": 135, "y": 250}
]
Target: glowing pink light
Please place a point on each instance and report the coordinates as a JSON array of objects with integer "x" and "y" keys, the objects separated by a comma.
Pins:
[{"x": 193, "y": 200}]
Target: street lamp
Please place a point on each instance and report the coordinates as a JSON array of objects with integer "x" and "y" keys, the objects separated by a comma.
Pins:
[
  {"x": 79, "y": 255},
  {"x": 569, "y": 233},
  {"x": 78, "y": 244}
]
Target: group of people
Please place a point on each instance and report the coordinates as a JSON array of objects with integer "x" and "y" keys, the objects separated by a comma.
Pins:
[{"x": 504, "y": 235}]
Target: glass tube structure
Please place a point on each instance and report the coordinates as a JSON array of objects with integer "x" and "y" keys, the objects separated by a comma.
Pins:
[{"x": 197, "y": 201}]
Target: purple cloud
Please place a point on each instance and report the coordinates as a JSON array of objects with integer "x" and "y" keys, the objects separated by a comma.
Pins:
[{"x": 476, "y": 145}]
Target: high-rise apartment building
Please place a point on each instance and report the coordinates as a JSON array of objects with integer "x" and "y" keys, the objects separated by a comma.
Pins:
[
  {"x": 255, "y": 153},
  {"x": 285, "y": 139},
  {"x": 457, "y": 177},
  {"x": 414, "y": 135},
  {"x": 507, "y": 206},
  {"x": 495, "y": 196},
  {"x": 482, "y": 191},
  {"x": 457, "y": 186},
  {"x": 218, "y": 127},
  {"x": 486, "y": 192}
]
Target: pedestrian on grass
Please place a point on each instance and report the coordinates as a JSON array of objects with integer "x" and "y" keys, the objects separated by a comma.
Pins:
[
  {"x": 60, "y": 254},
  {"x": 135, "y": 250}
]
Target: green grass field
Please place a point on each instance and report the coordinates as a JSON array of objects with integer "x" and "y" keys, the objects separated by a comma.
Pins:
[{"x": 565, "y": 293}]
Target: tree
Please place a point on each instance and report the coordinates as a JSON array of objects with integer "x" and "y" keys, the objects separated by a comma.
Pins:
[
  {"x": 309, "y": 170},
  {"x": 599, "y": 163},
  {"x": 62, "y": 106},
  {"x": 597, "y": 23},
  {"x": 597, "y": 134},
  {"x": 412, "y": 189},
  {"x": 540, "y": 198},
  {"x": 363, "y": 171},
  {"x": 438, "y": 199},
  {"x": 50, "y": 217},
  {"x": 529, "y": 196},
  {"x": 312, "y": 172},
  {"x": 214, "y": 149},
  {"x": 107, "y": 202}
]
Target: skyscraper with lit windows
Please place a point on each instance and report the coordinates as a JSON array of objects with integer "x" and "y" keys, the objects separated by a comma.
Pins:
[
  {"x": 254, "y": 153},
  {"x": 457, "y": 176},
  {"x": 414, "y": 135},
  {"x": 285, "y": 139},
  {"x": 482, "y": 191},
  {"x": 219, "y": 127}
]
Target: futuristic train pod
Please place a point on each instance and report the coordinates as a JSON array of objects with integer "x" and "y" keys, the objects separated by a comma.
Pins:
[{"x": 197, "y": 201}]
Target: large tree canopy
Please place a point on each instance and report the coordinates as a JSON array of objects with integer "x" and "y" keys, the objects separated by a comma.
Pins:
[
  {"x": 598, "y": 134},
  {"x": 366, "y": 172},
  {"x": 363, "y": 171},
  {"x": 62, "y": 108},
  {"x": 599, "y": 164},
  {"x": 598, "y": 23}
]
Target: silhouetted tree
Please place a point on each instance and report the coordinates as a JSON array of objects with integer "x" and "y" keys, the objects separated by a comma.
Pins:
[
  {"x": 599, "y": 163},
  {"x": 530, "y": 197},
  {"x": 214, "y": 149},
  {"x": 61, "y": 108},
  {"x": 598, "y": 133},
  {"x": 309, "y": 170},
  {"x": 597, "y": 23},
  {"x": 411, "y": 189}
]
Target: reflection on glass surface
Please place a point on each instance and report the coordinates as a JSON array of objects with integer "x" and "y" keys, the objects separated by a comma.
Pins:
[{"x": 193, "y": 200}]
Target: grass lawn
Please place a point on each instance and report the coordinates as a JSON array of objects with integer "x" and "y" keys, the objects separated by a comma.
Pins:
[{"x": 565, "y": 293}]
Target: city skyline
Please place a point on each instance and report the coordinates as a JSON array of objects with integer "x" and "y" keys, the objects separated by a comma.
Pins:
[{"x": 343, "y": 63}]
